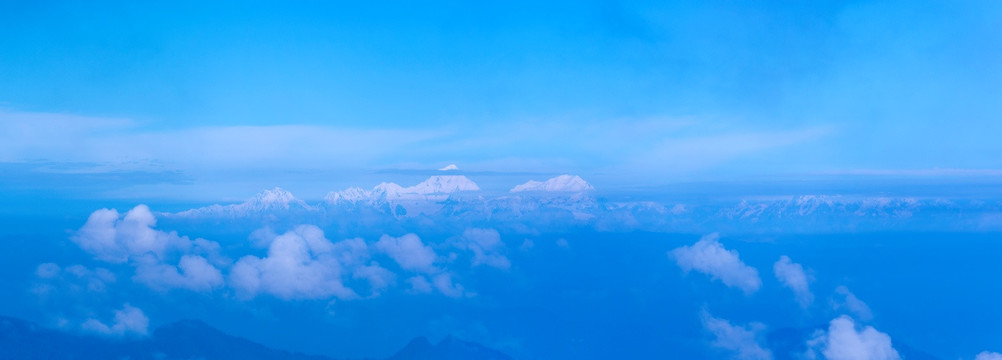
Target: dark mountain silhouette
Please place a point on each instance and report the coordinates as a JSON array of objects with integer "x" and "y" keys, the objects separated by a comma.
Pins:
[{"x": 188, "y": 340}]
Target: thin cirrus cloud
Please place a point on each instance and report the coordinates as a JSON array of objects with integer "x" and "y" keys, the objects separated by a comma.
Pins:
[
  {"x": 709, "y": 256},
  {"x": 668, "y": 145}
]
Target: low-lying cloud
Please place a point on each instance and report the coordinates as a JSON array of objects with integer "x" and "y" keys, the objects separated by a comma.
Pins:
[
  {"x": 844, "y": 341},
  {"x": 741, "y": 341},
  {"x": 128, "y": 321},
  {"x": 710, "y": 257},
  {"x": 793, "y": 276}
]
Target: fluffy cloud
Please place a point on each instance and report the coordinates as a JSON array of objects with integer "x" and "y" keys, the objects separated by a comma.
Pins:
[
  {"x": 193, "y": 272},
  {"x": 843, "y": 341},
  {"x": 792, "y": 275},
  {"x": 409, "y": 252},
  {"x": 741, "y": 341},
  {"x": 985, "y": 355},
  {"x": 303, "y": 264},
  {"x": 486, "y": 246},
  {"x": 115, "y": 239},
  {"x": 132, "y": 238},
  {"x": 846, "y": 300},
  {"x": 128, "y": 321},
  {"x": 710, "y": 257}
]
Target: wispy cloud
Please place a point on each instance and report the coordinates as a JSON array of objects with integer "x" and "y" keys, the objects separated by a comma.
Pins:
[
  {"x": 742, "y": 341},
  {"x": 793, "y": 276}
]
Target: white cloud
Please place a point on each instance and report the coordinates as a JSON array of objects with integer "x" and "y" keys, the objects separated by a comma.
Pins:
[
  {"x": 710, "y": 257},
  {"x": 985, "y": 355},
  {"x": 379, "y": 278},
  {"x": 443, "y": 282},
  {"x": 409, "y": 252},
  {"x": 303, "y": 264},
  {"x": 420, "y": 284},
  {"x": 740, "y": 340},
  {"x": 449, "y": 167},
  {"x": 128, "y": 321},
  {"x": 75, "y": 279},
  {"x": 193, "y": 272},
  {"x": 115, "y": 238},
  {"x": 842, "y": 341},
  {"x": 793, "y": 276},
  {"x": 845, "y": 299},
  {"x": 486, "y": 246}
]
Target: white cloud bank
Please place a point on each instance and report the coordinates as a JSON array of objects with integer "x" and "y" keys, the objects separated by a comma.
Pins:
[
  {"x": 985, "y": 355},
  {"x": 131, "y": 238},
  {"x": 742, "y": 341},
  {"x": 793, "y": 276},
  {"x": 128, "y": 321},
  {"x": 708, "y": 256},
  {"x": 303, "y": 264},
  {"x": 843, "y": 341}
]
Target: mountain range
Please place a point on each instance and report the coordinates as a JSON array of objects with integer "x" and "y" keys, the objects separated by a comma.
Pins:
[
  {"x": 568, "y": 201},
  {"x": 191, "y": 339}
]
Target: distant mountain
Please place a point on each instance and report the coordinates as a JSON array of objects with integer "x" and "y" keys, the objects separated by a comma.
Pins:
[
  {"x": 185, "y": 340},
  {"x": 266, "y": 203},
  {"x": 562, "y": 183},
  {"x": 449, "y": 348},
  {"x": 568, "y": 201}
]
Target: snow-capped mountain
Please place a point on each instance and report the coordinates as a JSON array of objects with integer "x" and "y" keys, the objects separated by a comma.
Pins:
[
  {"x": 423, "y": 198},
  {"x": 266, "y": 202},
  {"x": 562, "y": 183},
  {"x": 569, "y": 201}
]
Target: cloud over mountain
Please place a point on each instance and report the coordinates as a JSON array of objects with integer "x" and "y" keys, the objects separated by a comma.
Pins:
[
  {"x": 843, "y": 340},
  {"x": 128, "y": 321},
  {"x": 741, "y": 341}
]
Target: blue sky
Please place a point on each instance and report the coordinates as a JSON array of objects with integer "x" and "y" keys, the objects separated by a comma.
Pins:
[
  {"x": 626, "y": 94},
  {"x": 742, "y": 166}
]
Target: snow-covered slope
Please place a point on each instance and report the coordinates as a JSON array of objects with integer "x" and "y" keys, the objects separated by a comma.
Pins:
[
  {"x": 266, "y": 202},
  {"x": 562, "y": 183}
]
